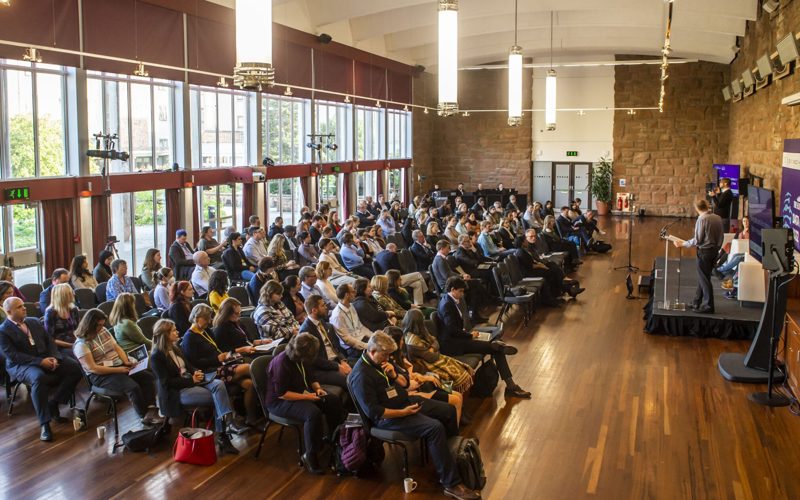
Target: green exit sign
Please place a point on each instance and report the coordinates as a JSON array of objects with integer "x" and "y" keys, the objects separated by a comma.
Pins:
[
  {"x": 336, "y": 169},
  {"x": 18, "y": 194},
  {"x": 572, "y": 153}
]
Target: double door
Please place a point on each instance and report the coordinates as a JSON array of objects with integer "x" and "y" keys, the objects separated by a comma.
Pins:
[
  {"x": 20, "y": 242},
  {"x": 562, "y": 182}
]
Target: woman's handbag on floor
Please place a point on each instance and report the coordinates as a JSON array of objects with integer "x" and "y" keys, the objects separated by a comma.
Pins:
[{"x": 195, "y": 445}]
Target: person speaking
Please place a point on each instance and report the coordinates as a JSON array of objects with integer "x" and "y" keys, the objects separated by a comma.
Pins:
[
  {"x": 708, "y": 235},
  {"x": 722, "y": 199}
]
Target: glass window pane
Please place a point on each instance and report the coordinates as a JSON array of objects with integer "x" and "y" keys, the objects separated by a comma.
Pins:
[
  {"x": 240, "y": 135},
  {"x": 116, "y": 102},
  {"x": 27, "y": 275},
  {"x": 121, "y": 225},
  {"x": 208, "y": 207},
  {"x": 225, "y": 114},
  {"x": 20, "y": 123},
  {"x": 239, "y": 217},
  {"x": 161, "y": 222},
  {"x": 94, "y": 93},
  {"x": 144, "y": 222},
  {"x": 194, "y": 100},
  {"x": 208, "y": 128},
  {"x": 272, "y": 129},
  {"x": 273, "y": 199},
  {"x": 287, "y": 210},
  {"x": 50, "y": 110},
  {"x": 163, "y": 126},
  {"x": 141, "y": 127},
  {"x": 225, "y": 205},
  {"x": 23, "y": 227}
]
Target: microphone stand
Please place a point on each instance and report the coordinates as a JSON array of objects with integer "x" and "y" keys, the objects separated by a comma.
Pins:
[{"x": 630, "y": 267}]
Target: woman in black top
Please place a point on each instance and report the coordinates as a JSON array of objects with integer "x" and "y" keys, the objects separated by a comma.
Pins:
[
  {"x": 292, "y": 298},
  {"x": 181, "y": 294},
  {"x": 235, "y": 261},
  {"x": 229, "y": 334},
  {"x": 102, "y": 271},
  {"x": 202, "y": 351},
  {"x": 179, "y": 383}
]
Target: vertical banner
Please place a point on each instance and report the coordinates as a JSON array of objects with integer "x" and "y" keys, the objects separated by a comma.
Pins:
[{"x": 790, "y": 188}]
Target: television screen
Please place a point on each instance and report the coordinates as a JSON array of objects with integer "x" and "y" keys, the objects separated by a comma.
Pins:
[
  {"x": 732, "y": 173},
  {"x": 761, "y": 211}
]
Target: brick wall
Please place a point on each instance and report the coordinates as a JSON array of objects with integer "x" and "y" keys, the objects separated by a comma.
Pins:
[
  {"x": 666, "y": 158},
  {"x": 759, "y": 123},
  {"x": 478, "y": 148}
]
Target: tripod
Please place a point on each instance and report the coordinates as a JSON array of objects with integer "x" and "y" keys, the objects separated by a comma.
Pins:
[{"x": 630, "y": 267}]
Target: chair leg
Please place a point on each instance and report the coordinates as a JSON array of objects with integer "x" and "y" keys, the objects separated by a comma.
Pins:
[
  {"x": 13, "y": 398},
  {"x": 263, "y": 436},
  {"x": 299, "y": 431},
  {"x": 405, "y": 460},
  {"x": 117, "y": 442},
  {"x": 280, "y": 434}
]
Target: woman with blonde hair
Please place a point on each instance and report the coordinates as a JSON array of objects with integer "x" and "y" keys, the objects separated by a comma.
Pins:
[
  {"x": 283, "y": 264},
  {"x": 124, "y": 316},
  {"x": 380, "y": 290},
  {"x": 433, "y": 233},
  {"x": 61, "y": 318},
  {"x": 324, "y": 272}
]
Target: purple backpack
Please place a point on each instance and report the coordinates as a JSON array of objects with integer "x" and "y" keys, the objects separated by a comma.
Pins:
[{"x": 353, "y": 446}]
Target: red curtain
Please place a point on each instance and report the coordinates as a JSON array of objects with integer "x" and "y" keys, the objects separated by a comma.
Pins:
[
  {"x": 59, "y": 233},
  {"x": 248, "y": 203},
  {"x": 99, "y": 225},
  {"x": 173, "y": 215},
  {"x": 305, "y": 189},
  {"x": 345, "y": 211}
]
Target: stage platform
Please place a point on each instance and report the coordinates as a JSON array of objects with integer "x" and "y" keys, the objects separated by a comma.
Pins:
[{"x": 729, "y": 321}]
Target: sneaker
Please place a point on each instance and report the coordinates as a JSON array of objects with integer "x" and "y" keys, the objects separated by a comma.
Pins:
[
  {"x": 727, "y": 285},
  {"x": 225, "y": 444},
  {"x": 461, "y": 492}
]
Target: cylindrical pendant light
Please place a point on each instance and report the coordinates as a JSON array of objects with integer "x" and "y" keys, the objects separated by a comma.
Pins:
[
  {"x": 254, "y": 44},
  {"x": 515, "y": 79},
  {"x": 448, "y": 57},
  {"x": 550, "y": 87}
]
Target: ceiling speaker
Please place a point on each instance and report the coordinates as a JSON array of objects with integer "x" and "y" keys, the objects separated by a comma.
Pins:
[{"x": 770, "y": 6}]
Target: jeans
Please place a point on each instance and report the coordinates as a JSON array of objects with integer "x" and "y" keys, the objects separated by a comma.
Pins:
[
  {"x": 212, "y": 393},
  {"x": 247, "y": 275},
  {"x": 732, "y": 264},
  {"x": 311, "y": 413},
  {"x": 49, "y": 386},
  {"x": 139, "y": 387}
]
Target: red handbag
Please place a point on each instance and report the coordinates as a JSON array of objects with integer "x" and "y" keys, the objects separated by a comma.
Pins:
[{"x": 195, "y": 445}]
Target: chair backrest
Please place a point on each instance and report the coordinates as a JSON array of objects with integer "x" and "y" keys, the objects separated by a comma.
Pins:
[
  {"x": 240, "y": 293},
  {"x": 514, "y": 272},
  {"x": 498, "y": 281},
  {"x": 376, "y": 268},
  {"x": 31, "y": 291},
  {"x": 364, "y": 419},
  {"x": 32, "y": 310},
  {"x": 81, "y": 314},
  {"x": 279, "y": 349},
  {"x": 198, "y": 301},
  {"x": 400, "y": 241},
  {"x": 141, "y": 305},
  {"x": 146, "y": 324},
  {"x": 152, "y": 294},
  {"x": 435, "y": 281},
  {"x": 138, "y": 284},
  {"x": 407, "y": 262},
  {"x": 106, "y": 306},
  {"x": 85, "y": 298},
  {"x": 437, "y": 321},
  {"x": 100, "y": 292},
  {"x": 141, "y": 282},
  {"x": 260, "y": 378},
  {"x": 248, "y": 324}
]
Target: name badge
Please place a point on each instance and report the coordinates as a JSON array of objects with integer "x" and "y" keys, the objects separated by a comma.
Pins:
[
  {"x": 107, "y": 363},
  {"x": 391, "y": 393}
]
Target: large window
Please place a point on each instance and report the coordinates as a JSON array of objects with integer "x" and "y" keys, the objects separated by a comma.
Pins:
[
  {"x": 220, "y": 121},
  {"x": 141, "y": 111},
  {"x": 20, "y": 242},
  {"x": 329, "y": 189},
  {"x": 369, "y": 129},
  {"x": 396, "y": 184},
  {"x": 32, "y": 115},
  {"x": 399, "y": 134},
  {"x": 366, "y": 182},
  {"x": 337, "y": 119},
  {"x": 284, "y": 127},
  {"x": 285, "y": 197},
  {"x": 221, "y": 207},
  {"x": 139, "y": 222}
]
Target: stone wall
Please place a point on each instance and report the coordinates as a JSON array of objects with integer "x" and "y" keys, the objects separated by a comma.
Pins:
[
  {"x": 759, "y": 123},
  {"x": 666, "y": 158},
  {"x": 476, "y": 148}
]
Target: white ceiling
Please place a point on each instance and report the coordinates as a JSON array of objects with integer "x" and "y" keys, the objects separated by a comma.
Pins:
[{"x": 406, "y": 29}]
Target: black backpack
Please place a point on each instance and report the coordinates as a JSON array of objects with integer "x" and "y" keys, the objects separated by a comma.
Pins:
[
  {"x": 486, "y": 378},
  {"x": 601, "y": 247},
  {"x": 467, "y": 454}
]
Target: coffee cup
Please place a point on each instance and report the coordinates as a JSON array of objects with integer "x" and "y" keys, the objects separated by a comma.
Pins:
[
  {"x": 77, "y": 423},
  {"x": 409, "y": 485},
  {"x": 101, "y": 432}
]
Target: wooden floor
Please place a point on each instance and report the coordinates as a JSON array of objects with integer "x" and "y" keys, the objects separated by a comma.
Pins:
[{"x": 615, "y": 414}]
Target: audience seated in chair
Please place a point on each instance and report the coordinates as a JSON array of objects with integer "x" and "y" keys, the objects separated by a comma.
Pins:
[
  {"x": 181, "y": 294},
  {"x": 388, "y": 259},
  {"x": 201, "y": 273},
  {"x": 211, "y": 246},
  {"x": 59, "y": 276},
  {"x": 354, "y": 257},
  {"x": 292, "y": 298},
  {"x": 164, "y": 280},
  {"x": 330, "y": 366},
  {"x": 123, "y": 318},
  {"x": 324, "y": 272},
  {"x": 239, "y": 269},
  {"x": 119, "y": 282},
  {"x": 180, "y": 256},
  {"x": 102, "y": 271},
  {"x": 229, "y": 333},
  {"x": 80, "y": 276},
  {"x": 61, "y": 318},
  {"x": 371, "y": 314},
  {"x": 217, "y": 289},
  {"x": 151, "y": 266},
  {"x": 272, "y": 317},
  {"x": 352, "y": 334}
]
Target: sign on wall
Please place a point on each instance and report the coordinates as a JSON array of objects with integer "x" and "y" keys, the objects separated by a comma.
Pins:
[{"x": 790, "y": 188}]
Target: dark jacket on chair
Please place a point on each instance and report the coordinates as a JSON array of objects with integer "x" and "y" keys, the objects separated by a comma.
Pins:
[
  {"x": 169, "y": 381},
  {"x": 19, "y": 352},
  {"x": 181, "y": 266},
  {"x": 235, "y": 262},
  {"x": 451, "y": 327},
  {"x": 370, "y": 313},
  {"x": 387, "y": 260}
]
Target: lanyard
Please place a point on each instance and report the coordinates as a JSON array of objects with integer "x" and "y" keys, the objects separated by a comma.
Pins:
[
  {"x": 346, "y": 314},
  {"x": 388, "y": 385},
  {"x": 303, "y": 371},
  {"x": 208, "y": 339}
]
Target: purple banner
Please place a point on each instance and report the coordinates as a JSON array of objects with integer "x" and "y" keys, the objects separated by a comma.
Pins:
[{"x": 790, "y": 188}]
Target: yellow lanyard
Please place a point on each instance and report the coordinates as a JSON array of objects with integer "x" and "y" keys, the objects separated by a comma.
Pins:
[
  {"x": 303, "y": 371},
  {"x": 208, "y": 339},
  {"x": 379, "y": 371}
]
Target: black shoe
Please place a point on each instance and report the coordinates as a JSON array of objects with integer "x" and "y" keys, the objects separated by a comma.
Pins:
[
  {"x": 312, "y": 464},
  {"x": 46, "y": 434},
  {"x": 225, "y": 444},
  {"x": 575, "y": 291},
  {"x": 718, "y": 274},
  {"x": 238, "y": 428},
  {"x": 508, "y": 350},
  {"x": 461, "y": 492},
  {"x": 703, "y": 310},
  {"x": 517, "y": 392},
  {"x": 55, "y": 413}
]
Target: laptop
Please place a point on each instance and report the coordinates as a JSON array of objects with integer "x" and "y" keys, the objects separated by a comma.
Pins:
[{"x": 142, "y": 358}]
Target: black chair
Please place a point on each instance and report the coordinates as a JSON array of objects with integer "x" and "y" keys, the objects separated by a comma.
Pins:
[
  {"x": 239, "y": 293},
  {"x": 32, "y": 310},
  {"x": 198, "y": 301},
  {"x": 248, "y": 324},
  {"x": 106, "y": 307},
  {"x": 392, "y": 438},
  {"x": 141, "y": 306},
  {"x": 138, "y": 284},
  {"x": 12, "y": 386},
  {"x": 100, "y": 292},
  {"x": 511, "y": 264},
  {"x": 407, "y": 262},
  {"x": 473, "y": 360},
  {"x": 111, "y": 398},
  {"x": 146, "y": 324},
  {"x": 439, "y": 291},
  {"x": 31, "y": 291},
  {"x": 509, "y": 299},
  {"x": 81, "y": 314},
  {"x": 85, "y": 298},
  {"x": 376, "y": 268},
  {"x": 260, "y": 378}
]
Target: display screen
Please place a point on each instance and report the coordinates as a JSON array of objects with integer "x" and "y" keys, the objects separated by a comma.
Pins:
[
  {"x": 732, "y": 173},
  {"x": 761, "y": 211},
  {"x": 790, "y": 189}
]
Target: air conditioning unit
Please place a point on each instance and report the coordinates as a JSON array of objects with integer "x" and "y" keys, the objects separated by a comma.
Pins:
[{"x": 792, "y": 100}]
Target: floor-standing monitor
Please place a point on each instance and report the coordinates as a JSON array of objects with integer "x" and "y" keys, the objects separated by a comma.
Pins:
[{"x": 761, "y": 211}]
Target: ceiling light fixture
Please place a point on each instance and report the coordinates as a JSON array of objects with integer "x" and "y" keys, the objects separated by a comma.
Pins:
[
  {"x": 666, "y": 50},
  {"x": 288, "y": 91},
  {"x": 550, "y": 87},
  {"x": 347, "y": 99},
  {"x": 448, "y": 57},
  {"x": 581, "y": 113},
  {"x": 378, "y": 104},
  {"x": 405, "y": 108},
  {"x": 223, "y": 82},
  {"x": 7, "y": 3},
  {"x": 32, "y": 55},
  {"x": 141, "y": 71},
  {"x": 254, "y": 68},
  {"x": 515, "y": 77}
]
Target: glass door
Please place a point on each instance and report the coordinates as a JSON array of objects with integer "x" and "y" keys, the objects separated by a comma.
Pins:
[
  {"x": 22, "y": 241},
  {"x": 581, "y": 184},
  {"x": 562, "y": 185}
]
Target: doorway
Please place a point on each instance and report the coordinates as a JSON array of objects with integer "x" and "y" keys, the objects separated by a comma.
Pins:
[
  {"x": 562, "y": 182},
  {"x": 21, "y": 241}
]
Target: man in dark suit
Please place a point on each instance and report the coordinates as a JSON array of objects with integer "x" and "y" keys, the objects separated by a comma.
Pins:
[
  {"x": 330, "y": 366},
  {"x": 443, "y": 271},
  {"x": 532, "y": 265},
  {"x": 315, "y": 231},
  {"x": 460, "y": 190},
  {"x": 370, "y": 313},
  {"x": 276, "y": 227},
  {"x": 722, "y": 198},
  {"x": 365, "y": 217},
  {"x": 181, "y": 256},
  {"x": 454, "y": 340},
  {"x": 388, "y": 259},
  {"x": 60, "y": 275},
  {"x": 423, "y": 253},
  {"x": 469, "y": 259},
  {"x": 291, "y": 242},
  {"x": 33, "y": 359}
]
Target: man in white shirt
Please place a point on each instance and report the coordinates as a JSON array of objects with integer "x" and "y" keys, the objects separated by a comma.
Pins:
[
  {"x": 340, "y": 273},
  {"x": 254, "y": 249},
  {"x": 353, "y": 336},
  {"x": 202, "y": 272}
]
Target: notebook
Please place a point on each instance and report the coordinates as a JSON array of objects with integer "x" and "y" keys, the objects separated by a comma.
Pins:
[{"x": 142, "y": 358}]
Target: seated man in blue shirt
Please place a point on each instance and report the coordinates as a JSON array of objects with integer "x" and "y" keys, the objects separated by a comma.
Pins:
[
  {"x": 119, "y": 283},
  {"x": 487, "y": 244},
  {"x": 388, "y": 406},
  {"x": 354, "y": 257}
]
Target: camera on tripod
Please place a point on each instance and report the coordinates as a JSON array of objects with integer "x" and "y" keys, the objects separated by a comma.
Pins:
[{"x": 104, "y": 147}]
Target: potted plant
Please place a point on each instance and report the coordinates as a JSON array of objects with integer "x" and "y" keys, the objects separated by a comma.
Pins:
[{"x": 601, "y": 185}]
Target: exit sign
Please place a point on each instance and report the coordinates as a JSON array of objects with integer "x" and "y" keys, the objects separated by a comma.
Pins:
[
  {"x": 336, "y": 168},
  {"x": 18, "y": 194},
  {"x": 572, "y": 153}
]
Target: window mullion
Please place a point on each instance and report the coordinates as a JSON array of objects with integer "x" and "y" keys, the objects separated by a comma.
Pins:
[{"x": 35, "y": 120}]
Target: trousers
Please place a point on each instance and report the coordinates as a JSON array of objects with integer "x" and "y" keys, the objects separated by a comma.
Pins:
[
  {"x": 704, "y": 295},
  {"x": 139, "y": 387},
  {"x": 417, "y": 284},
  {"x": 47, "y": 386},
  {"x": 213, "y": 393},
  {"x": 311, "y": 413}
]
